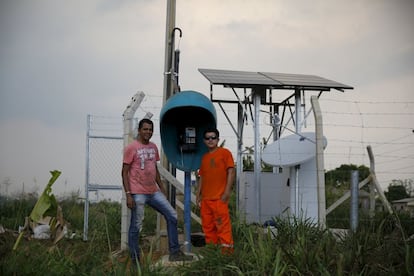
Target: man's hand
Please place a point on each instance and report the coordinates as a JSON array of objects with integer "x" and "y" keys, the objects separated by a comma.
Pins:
[
  {"x": 130, "y": 201},
  {"x": 198, "y": 200},
  {"x": 225, "y": 196},
  {"x": 163, "y": 188}
]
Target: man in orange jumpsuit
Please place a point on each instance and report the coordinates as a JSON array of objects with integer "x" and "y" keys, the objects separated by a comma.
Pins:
[{"x": 217, "y": 175}]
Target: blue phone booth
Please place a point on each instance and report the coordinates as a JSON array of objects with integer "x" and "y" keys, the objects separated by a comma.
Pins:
[{"x": 183, "y": 119}]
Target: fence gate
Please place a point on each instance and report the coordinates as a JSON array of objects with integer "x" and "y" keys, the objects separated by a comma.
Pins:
[{"x": 104, "y": 145}]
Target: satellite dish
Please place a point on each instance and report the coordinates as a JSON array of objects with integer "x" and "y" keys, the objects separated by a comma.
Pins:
[{"x": 291, "y": 150}]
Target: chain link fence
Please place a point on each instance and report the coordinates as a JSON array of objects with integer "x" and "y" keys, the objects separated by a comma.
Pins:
[{"x": 104, "y": 148}]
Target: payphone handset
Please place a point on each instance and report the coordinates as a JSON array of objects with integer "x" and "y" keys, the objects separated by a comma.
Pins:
[{"x": 187, "y": 139}]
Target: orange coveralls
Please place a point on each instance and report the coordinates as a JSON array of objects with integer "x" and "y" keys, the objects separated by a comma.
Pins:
[{"x": 214, "y": 212}]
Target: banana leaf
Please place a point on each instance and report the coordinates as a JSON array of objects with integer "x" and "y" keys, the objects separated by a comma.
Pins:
[{"x": 46, "y": 205}]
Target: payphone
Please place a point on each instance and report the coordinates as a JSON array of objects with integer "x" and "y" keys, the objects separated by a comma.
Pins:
[
  {"x": 183, "y": 119},
  {"x": 187, "y": 139}
]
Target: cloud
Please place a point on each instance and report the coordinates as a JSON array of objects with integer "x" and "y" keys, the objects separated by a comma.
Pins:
[
  {"x": 30, "y": 149},
  {"x": 76, "y": 56},
  {"x": 62, "y": 61}
]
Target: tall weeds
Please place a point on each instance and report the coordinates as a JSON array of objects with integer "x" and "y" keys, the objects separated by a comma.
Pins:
[{"x": 380, "y": 246}]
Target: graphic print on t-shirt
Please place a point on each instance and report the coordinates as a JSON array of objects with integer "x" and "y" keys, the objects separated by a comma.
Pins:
[
  {"x": 212, "y": 163},
  {"x": 145, "y": 154}
]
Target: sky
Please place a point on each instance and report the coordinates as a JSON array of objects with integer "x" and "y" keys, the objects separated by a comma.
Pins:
[{"x": 62, "y": 60}]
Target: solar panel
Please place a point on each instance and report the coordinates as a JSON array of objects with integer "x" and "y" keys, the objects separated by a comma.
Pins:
[
  {"x": 305, "y": 80},
  {"x": 270, "y": 80},
  {"x": 237, "y": 78}
]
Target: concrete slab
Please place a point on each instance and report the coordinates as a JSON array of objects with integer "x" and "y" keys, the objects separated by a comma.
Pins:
[{"x": 165, "y": 262}]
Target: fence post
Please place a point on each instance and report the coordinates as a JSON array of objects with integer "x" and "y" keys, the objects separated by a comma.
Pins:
[
  {"x": 354, "y": 200},
  {"x": 128, "y": 117},
  {"x": 376, "y": 184},
  {"x": 320, "y": 165}
]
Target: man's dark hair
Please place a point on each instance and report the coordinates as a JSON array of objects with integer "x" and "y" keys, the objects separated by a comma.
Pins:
[
  {"x": 215, "y": 130},
  {"x": 145, "y": 121}
]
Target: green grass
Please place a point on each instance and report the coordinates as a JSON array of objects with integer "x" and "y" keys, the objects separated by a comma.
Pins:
[{"x": 380, "y": 246}]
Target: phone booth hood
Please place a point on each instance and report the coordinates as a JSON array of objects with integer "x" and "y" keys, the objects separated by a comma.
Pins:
[{"x": 186, "y": 110}]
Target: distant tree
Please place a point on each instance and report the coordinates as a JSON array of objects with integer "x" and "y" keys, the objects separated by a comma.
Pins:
[
  {"x": 396, "y": 192},
  {"x": 248, "y": 160},
  {"x": 341, "y": 176},
  {"x": 407, "y": 183},
  {"x": 337, "y": 182}
]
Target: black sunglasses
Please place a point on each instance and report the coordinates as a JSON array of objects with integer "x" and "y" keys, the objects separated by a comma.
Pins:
[{"x": 210, "y": 138}]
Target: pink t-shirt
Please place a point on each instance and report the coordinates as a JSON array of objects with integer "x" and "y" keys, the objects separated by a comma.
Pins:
[{"x": 143, "y": 161}]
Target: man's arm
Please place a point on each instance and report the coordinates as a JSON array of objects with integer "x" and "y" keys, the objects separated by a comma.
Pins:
[
  {"x": 198, "y": 195},
  {"x": 125, "y": 184},
  {"x": 125, "y": 181},
  {"x": 230, "y": 179}
]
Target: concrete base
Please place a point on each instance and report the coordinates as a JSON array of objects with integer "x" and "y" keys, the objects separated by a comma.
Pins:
[
  {"x": 339, "y": 233},
  {"x": 165, "y": 262}
]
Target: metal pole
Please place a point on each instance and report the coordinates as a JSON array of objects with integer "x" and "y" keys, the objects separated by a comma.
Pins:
[
  {"x": 297, "y": 209},
  {"x": 168, "y": 90},
  {"x": 169, "y": 49},
  {"x": 257, "y": 157},
  {"x": 240, "y": 118},
  {"x": 86, "y": 206},
  {"x": 187, "y": 211},
  {"x": 275, "y": 121},
  {"x": 354, "y": 200},
  {"x": 297, "y": 167}
]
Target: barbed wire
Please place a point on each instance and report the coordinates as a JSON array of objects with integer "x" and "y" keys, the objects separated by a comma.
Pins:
[
  {"x": 366, "y": 102},
  {"x": 397, "y": 135}
]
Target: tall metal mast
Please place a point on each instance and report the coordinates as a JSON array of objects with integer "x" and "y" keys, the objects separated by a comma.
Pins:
[{"x": 167, "y": 93}]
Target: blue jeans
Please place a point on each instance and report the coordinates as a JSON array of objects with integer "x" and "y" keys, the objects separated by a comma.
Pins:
[{"x": 159, "y": 203}]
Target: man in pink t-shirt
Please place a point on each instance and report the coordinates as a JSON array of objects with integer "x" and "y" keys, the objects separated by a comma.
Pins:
[{"x": 142, "y": 185}]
